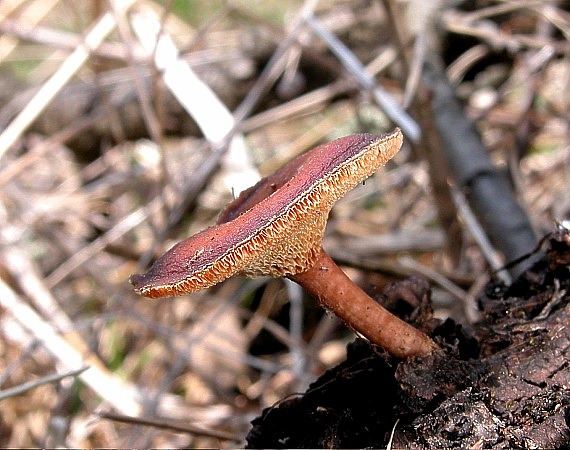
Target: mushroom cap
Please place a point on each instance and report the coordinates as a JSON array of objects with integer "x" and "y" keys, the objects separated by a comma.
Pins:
[{"x": 275, "y": 227}]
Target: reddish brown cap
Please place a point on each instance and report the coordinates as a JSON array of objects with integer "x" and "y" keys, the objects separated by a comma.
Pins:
[{"x": 275, "y": 227}]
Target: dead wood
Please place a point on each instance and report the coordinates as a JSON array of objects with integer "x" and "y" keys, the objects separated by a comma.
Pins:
[
  {"x": 503, "y": 384},
  {"x": 487, "y": 189}
]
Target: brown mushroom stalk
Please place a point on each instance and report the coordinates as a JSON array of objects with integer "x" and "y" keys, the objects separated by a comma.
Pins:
[
  {"x": 276, "y": 228},
  {"x": 338, "y": 293}
]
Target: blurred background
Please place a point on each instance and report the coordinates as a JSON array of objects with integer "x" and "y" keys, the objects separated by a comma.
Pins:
[{"x": 127, "y": 125}]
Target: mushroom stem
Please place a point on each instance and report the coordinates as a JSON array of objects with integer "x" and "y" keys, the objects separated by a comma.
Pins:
[{"x": 339, "y": 294}]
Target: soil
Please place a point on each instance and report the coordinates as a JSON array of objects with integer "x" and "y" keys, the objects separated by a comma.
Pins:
[{"x": 502, "y": 384}]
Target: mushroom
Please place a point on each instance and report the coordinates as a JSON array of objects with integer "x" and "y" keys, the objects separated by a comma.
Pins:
[{"x": 276, "y": 228}]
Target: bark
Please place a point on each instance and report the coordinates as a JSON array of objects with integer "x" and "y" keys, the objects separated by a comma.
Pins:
[{"x": 503, "y": 384}]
